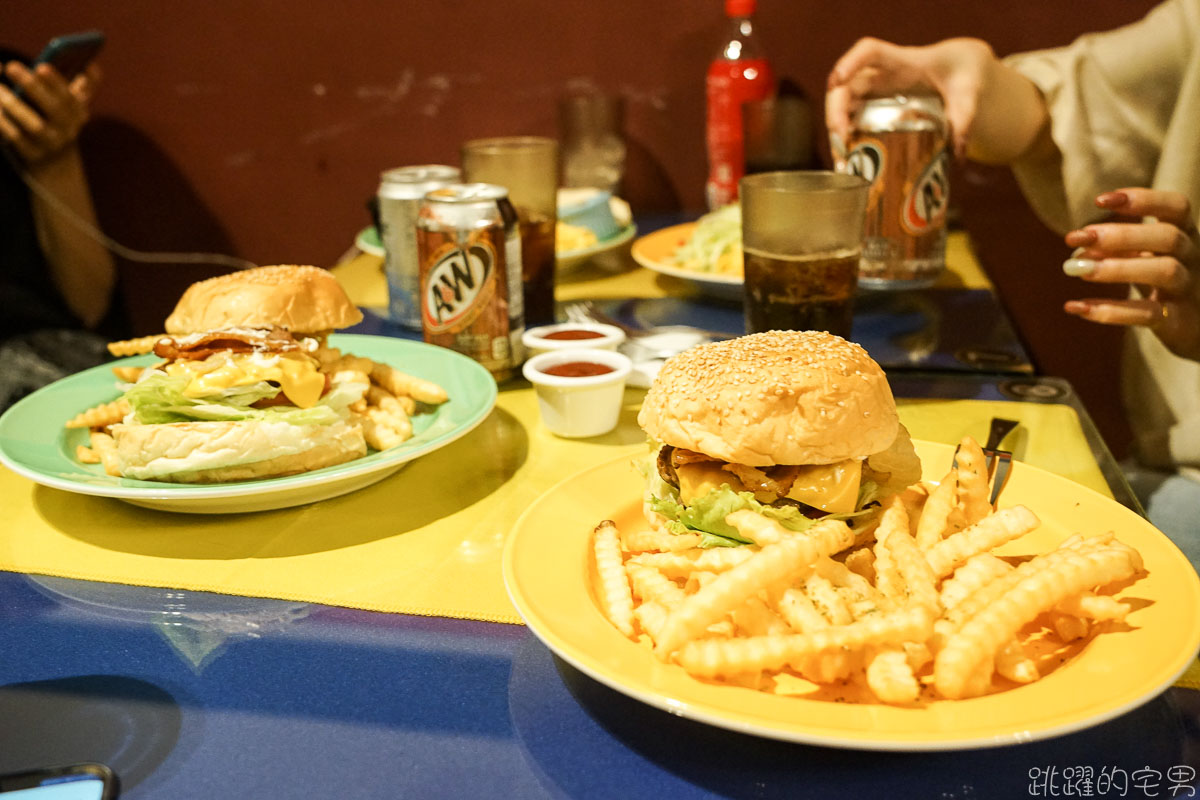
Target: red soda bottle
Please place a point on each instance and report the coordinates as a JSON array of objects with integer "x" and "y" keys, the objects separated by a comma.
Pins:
[{"x": 738, "y": 74}]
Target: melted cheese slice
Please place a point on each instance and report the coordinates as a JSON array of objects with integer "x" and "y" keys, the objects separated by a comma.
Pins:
[
  {"x": 701, "y": 477},
  {"x": 829, "y": 487},
  {"x": 296, "y": 375}
]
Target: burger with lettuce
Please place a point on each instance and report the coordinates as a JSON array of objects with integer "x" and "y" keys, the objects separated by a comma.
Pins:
[
  {"x": 238, "y": 393},
  {"x": 795, "y": 425}
]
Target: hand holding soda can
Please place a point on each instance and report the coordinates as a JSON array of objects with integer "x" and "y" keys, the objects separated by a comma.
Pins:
[{"x": 900, "y": 145}]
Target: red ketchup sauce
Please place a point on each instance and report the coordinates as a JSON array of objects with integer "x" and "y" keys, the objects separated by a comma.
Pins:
[
  {"x": 573, "y": 333},
  {"x": 578, "y": 369}
]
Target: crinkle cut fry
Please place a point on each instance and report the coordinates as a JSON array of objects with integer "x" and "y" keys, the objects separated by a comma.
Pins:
[
  {"x": 713, "y": 658},
  {"x": 616, "y": 597},
  {"x": 910, "y": 560},
  {"x": 656, "y": 539},
  {"x": 891, "y": 677},
  {"x": 970, "y": 577},
  {"x": 652, "y": 586},
  {"x": 975, "y": 644},
  {"x": 935, "y": 520},
  {"x": 1090, "y": 605},
  {"x": 101, "y": 416},
  {"x": 956, "y": 616},
  {"x": 990, "y": 532},
  {"x": 972, "y": 481},
  {"x": 764, "y": 569},
  {"x": 680, "y": 565}
]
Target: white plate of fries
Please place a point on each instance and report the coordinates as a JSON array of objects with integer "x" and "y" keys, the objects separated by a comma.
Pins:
[
  {"x": 1094, "y": 655},
  {"x": 35, "y": 443}
]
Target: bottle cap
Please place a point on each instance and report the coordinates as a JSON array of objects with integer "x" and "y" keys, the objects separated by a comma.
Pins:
[{"x": 739, "y": 8}]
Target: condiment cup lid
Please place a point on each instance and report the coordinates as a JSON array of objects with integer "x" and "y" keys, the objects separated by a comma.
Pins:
[
  {"x": 618, "y": 362},
  {"x": 611, "y": 336}
]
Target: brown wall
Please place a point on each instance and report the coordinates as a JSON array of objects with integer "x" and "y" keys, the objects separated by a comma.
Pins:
[{"x": 259, "y": 127}]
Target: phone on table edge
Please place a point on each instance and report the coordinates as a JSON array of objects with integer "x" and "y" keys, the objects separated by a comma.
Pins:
[
  {"x": 71, "y": 53},
  {"x": 85, "y": 781}
]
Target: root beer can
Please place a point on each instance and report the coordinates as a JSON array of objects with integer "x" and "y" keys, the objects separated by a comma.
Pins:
[
  {"x": 900, "y": 145},
  {"x": 399, "y": 195},
  {"x": 469, "y": 246}
]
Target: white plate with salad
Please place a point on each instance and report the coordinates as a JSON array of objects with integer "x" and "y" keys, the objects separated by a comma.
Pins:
[{"x": 707, "y": 253}]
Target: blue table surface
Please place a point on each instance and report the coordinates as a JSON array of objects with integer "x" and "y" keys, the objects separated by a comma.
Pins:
[{"x": 191, "y": 695}]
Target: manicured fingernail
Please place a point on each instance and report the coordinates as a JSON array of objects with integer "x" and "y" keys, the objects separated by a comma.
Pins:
[
  {"x": 1112, "y": 199},
  {"x": 1077, "y": 307},
  {"x": 1081, "y": 238},
  {"x": 1076, "y": 267}
]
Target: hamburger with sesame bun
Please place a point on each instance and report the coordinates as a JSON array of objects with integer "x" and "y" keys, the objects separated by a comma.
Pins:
[
  {"x": 239, "y": 393},
  {"x": 797, "y": 425}
]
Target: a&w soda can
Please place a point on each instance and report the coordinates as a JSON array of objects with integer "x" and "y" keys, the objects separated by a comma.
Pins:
[
  {"x": 900, "y": 145},
  {"x": 471, "y": 294},
  {"x": 400, "y": 192}
]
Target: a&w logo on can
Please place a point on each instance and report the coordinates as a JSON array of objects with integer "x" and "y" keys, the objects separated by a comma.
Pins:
[
  {"x": 865, "y": 161},
  {"x": 458, "y": 286},
  {"x": 925, "y": 207}
]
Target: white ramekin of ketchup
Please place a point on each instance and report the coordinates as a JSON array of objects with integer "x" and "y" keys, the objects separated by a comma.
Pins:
[
  {"x": 572, "y": 336},
  {"x": 580, "y": 391}
]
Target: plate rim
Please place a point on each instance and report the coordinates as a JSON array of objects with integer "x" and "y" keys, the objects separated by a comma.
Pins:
[
  {"x": 619, "y": 238},
  {"x": 578, "y": 656},
  {"x": 189, "y": 493},
  {"x": 363, "y": 243}
]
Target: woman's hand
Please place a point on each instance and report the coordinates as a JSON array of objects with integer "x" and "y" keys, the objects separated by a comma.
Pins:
[
  {"x": 1152, "y": 245},
  {"x": 46, "y": 119},
  {"x": 955, "y": 69},
  {"x": 995, "y": 113}
]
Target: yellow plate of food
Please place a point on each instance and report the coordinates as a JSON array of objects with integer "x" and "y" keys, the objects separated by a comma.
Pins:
[
  {"x": 657, "y": 251},
  {"x": 637, "y": 605}
]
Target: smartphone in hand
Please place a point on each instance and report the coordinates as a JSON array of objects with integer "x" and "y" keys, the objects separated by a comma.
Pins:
[{"x": 71, "y": 53}]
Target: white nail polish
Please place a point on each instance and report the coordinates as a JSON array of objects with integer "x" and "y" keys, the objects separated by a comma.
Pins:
[{"x": 1076, "y": 267}]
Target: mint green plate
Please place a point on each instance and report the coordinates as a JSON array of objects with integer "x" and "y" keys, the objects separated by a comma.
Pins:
[{"x": 34, "y": 443}]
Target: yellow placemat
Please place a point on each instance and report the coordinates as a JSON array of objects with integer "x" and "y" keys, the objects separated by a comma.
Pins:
[{"x": 424, "y": 541}]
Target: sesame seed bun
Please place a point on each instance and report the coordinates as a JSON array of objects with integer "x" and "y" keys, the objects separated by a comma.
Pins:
[
  {"x": 781, "y": 397},
  {"x": 300, "y": 298}
]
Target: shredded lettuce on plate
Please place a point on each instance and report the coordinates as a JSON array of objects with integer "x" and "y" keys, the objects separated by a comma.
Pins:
[
  {"x": 716, "y": 243},
  {"x": 159, "y": 398}
]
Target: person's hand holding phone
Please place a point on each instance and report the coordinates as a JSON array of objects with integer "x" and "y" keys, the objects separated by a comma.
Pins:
[{"x": 45, "y": 118}]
